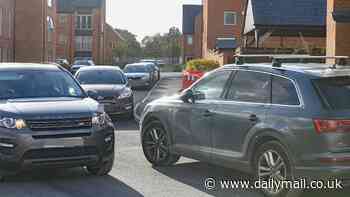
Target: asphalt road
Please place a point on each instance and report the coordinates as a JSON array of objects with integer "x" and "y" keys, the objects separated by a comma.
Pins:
[{"x": 132, "y": 175}]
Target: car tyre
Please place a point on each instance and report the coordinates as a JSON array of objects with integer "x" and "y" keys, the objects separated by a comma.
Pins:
[
  {"x": 102, "y": 169},
  {"x": 156, "y": 145},
  {"x": 272, "y": 162}
]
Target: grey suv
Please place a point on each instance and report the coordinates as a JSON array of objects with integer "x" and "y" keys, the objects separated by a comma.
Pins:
[
  {"x": 46, "y": 120},
  {"x": 276, "y": 122}
]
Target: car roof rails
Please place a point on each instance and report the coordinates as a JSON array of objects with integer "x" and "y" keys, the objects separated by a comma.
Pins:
[{"x": 278, "y": 59}]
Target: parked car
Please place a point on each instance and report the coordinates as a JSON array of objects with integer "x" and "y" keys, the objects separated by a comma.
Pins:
[
  {"x": 155, "y": 66},
  {"x": 279, "y": 123},
  {"x": 140, "y": 75},
  {"x": 109, "y": 86},
  {"x": 47, "y": 120},
  {"x": 81, "y": 63}
]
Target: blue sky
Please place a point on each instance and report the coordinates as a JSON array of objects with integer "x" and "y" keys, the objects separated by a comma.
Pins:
[{"x": 146, "y": 17}]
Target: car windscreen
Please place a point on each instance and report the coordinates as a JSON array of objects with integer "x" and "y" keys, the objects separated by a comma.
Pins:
[
  {"x": 101, "y": 77},
  {"x": 335, "y": 91},
  {"x": 38, "y": 84},
  {"x": 136, "y": 69}
]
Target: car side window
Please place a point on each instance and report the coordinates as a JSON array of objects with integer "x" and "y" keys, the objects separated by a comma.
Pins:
[
  {"x": 213, "y": 85},
  {"x": 284, "y": 92},
  {"x": 249, "y": 86}
]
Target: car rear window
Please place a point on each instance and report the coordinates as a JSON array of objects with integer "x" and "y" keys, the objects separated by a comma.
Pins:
[{"x": 335, "y": 91}]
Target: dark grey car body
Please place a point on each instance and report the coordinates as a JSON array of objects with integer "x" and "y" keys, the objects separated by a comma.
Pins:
[
  {"x": 109, "y": 94},
  {"x": 227, "y": 132},
  {"x": 58, "y": 133}
]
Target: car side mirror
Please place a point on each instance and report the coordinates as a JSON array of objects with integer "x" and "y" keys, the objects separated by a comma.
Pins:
[{"x": 191, "y": 97}]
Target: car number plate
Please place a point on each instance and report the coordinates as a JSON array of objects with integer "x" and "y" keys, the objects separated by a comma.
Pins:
[{"x": 64, "y": 142}]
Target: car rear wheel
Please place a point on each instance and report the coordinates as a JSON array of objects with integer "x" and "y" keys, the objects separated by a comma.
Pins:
[
  {"x": 271, "y": 163},
  {"x": 156, "y": 145},
  {"x": 103, "y": 168}
]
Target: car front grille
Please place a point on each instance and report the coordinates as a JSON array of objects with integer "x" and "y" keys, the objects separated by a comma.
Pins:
[
  {"x": 60, "y": 124},
  {"x": 52, "y": 153}
]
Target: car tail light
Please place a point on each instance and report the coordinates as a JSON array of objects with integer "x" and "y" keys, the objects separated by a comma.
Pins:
[{"x": 331, "y": 126}]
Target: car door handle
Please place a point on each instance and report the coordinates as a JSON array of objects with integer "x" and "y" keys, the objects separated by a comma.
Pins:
[
  {"x": 253, "y": 118},
  {"x": 208, "y": 113}
]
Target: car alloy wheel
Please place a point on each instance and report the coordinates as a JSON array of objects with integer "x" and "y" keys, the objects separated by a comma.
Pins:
[
  {"x": 155, "y": 144},
  {"x": 272, "y": 167}
]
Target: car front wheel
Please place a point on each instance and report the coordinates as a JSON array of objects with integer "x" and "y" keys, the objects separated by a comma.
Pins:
[{"x": 156, "y": 145}]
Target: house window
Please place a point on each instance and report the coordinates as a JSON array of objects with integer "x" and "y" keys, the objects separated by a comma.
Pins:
[
  {"x": 83, "y": 43},
  {"x": 63, "y": 19},
  {"x": 62, "y": 39},
  {"x": 189, "y": 39},
  {"x": 230, "y": 18},
  {"x": 49, "y": 3},
  {"x": 50, "y": 23},
  {"x": 84, "y": 22}
]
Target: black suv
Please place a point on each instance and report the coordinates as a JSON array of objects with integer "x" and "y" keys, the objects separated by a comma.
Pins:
[
  {"x": 278, "y": 122},
  {"x": 46, "y": 120}
]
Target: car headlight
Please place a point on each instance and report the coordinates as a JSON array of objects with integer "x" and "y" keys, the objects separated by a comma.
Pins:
[
  {"x": 145, "y": 77},
  {"x": 101, "y": 121},
  {"x": 127, "y": 92},
  {"x": 12, "y": 123}
]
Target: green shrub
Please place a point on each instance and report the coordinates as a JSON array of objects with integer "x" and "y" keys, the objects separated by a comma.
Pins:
[{"x": 203, "y": 65}]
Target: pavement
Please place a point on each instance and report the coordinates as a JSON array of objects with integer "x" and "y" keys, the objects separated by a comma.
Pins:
[{"x": 132, "y": 175}]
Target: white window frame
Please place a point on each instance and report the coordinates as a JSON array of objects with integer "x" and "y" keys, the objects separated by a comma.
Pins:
[
  {"x": 80, "y": 25},
  {"x": 83, "y": 43},
  {"x": 49, "y": 3},
  {"x": 235, "y": 16}
]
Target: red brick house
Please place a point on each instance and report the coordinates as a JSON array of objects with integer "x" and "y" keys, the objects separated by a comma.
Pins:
[
  {"x": 113, "y": 38},
  {"x": 287, "y": 24},
  {"x": 7, "y": 8},
  {"x": 213, "y": 28},
  {"x": 338, "y": 27},
  {"x": 222, "y": 25},
  {"x": 81, "y": 29}
]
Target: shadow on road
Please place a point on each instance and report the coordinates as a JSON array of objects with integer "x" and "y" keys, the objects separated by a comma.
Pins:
[
  {"x": 126, "y": 125},
  {"x": 64, "y": 183},
  {"x": 195, "y": 173}
]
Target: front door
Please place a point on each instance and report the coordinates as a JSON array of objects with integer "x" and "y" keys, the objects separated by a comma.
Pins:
[
  {"x": 243, "y": 110},
  {"x": 202, "y": 113}
]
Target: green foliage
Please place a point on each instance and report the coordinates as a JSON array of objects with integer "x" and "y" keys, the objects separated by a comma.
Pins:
[
  {"x": 203, "y": 65},
  {"x": 166, "y": 45},
  {"x": 130, "y": 47}
]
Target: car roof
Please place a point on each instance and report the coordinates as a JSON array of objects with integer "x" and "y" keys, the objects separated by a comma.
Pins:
[
  {"x": 28, "y": 66},
  {"x": 85, "y": 68},
  {"x": 315, "y": 70},
  {"x": 141, "y": 64}
]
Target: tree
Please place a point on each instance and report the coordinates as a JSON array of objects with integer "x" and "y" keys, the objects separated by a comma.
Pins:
[
  {"x": 130, "y": 47},
  {"x": 166, "y": 45}
]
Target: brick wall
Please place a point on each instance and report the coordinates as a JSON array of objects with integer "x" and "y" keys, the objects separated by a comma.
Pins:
[
  {"x": 32, "y": 39},
  {"x": 198, "y": 36},
  {"x": 64, "y": 38},
  {"x": 213, "y": 24},
  {"x": 338, "y": 40},
  {"x": 6, "y": 30}
]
